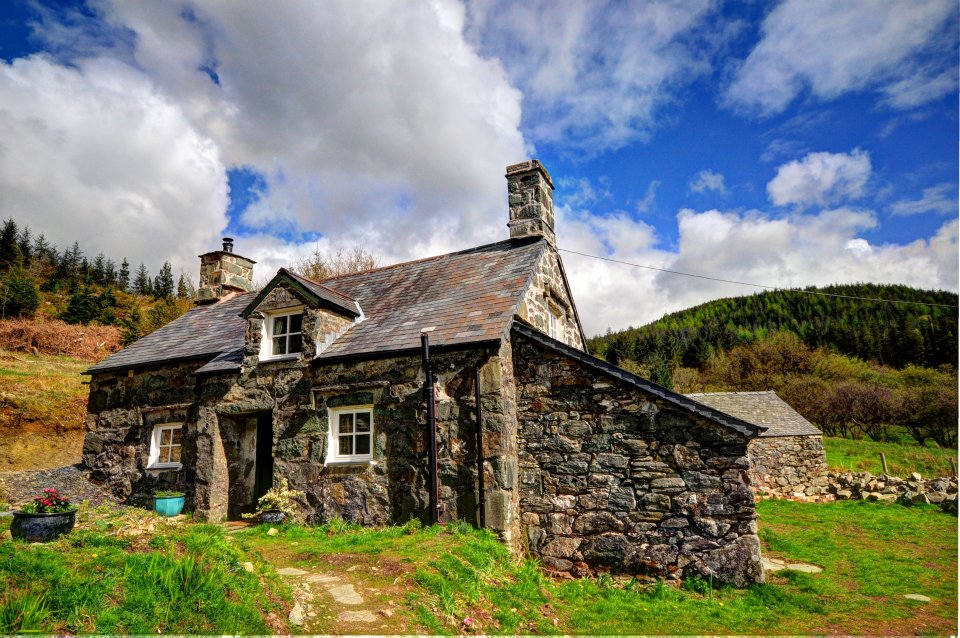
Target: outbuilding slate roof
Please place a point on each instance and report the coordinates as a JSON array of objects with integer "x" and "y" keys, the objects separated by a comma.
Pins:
[
  {"x": 760, "y": 408},
  {"x": 466, "y": 297}
]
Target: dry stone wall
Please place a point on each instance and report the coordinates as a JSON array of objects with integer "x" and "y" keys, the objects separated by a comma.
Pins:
[
  {"x": 615, "y": 479},
  {"x": 788, "y": 466},
  {"x": 913, "y": 490}
]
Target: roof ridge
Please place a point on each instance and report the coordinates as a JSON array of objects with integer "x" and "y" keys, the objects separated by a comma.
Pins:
[
  {"x": 465, "y": 251},
  {"x": 701, "y": 394}
]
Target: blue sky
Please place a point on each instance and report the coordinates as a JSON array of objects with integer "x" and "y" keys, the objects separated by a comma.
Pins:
[{"x": 785, "y": 143}]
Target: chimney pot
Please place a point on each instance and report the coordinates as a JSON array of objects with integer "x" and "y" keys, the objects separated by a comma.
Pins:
[{"x": 228, "y": 244}]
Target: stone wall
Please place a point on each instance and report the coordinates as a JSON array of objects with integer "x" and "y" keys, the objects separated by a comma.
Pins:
[
  {"x": 122, "y": 409},
  {"x": 908, "y": 491},
  {"x": 223, "y": 272},
  {"x": 547, "y": 292},
  {"x": 612, "y": 478},
  {"x": 788, "y": 466}
]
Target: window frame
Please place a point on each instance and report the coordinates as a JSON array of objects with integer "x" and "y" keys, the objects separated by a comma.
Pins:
[
  {"x": 266, "y": 346},
  {"x": 553, "y": 324},
  {"x": 333, "y": 436},
  {"x": 157, "y": 447}
]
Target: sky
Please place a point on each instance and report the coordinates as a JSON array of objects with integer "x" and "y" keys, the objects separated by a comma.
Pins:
[{"x": 787, "y": 144}]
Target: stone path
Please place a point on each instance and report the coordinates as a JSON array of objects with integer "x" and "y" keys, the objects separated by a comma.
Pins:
[{"x": 318, "y": 596}]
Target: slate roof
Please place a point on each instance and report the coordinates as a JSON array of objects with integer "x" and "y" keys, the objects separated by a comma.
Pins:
[
  {"x": 315, "y": 293},
  {"x": 467, "y": 297},
  {"x": 732, "y": 421},
  {"x": 204, "y": 331},
  {"x": 760, "y": 408}
]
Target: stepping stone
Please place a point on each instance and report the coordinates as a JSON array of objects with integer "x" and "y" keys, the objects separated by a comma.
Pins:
[
  {"x": 919, "y": 597},
  {"x": 321, "y": 578},
  {"x": 357, "y": 616},
  {"x": 805, "y": 568},
  {"x": 292, "y": 571},
  {"x": 772, "y": 564},
  {"x": 296, "y": 615},
  {"x": 346, "y": 595}
]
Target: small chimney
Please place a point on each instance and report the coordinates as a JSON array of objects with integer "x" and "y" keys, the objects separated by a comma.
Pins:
[
  {"x": 224, "y": 273},
  {"x": 530, "y": 191}
]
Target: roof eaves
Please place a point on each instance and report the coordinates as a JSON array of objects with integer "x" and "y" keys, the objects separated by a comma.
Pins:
[
  {"x": 153, "y": 363},
  {"x": 747, "y": 429}
]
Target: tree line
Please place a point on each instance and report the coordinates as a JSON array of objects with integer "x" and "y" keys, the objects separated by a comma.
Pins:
[
  {"x": 81, "y": 290},
  {"x": 853, "y": 367}
]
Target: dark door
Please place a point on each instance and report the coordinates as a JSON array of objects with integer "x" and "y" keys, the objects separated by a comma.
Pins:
[{"x": 264, "y": 460}]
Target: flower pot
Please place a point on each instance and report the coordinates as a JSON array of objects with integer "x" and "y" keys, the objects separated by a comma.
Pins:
[
  {"x": 168, "y": 505},
  {"x": 273, "y": 516},
  {"x": 40, "y": 528}
]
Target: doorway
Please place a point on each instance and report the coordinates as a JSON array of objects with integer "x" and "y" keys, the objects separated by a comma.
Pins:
[{"x": 248, "y": 447}]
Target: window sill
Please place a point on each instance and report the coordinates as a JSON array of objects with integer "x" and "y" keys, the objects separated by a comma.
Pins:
[
  {"x": 351, "y": 462},
  {"x": 165, "y": 466},
  {"x": 283, "y": 357}
]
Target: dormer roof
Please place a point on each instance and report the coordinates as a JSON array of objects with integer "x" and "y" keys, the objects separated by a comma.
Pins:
[{"x": 312, "y": 293}]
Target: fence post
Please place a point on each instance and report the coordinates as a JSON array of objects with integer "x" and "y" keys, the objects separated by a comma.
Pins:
[{"x": 883, "y": 462}]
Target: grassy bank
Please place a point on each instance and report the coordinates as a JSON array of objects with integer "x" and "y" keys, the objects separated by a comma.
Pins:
[
  {"x": 902, "y": 458},
  {"x": 458, "y": 580},
  {"x": 135, "y": 574}
]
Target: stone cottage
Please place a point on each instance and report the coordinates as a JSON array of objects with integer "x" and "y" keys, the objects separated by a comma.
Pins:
[
  {"x": 787, "y": 459},
  {"x": 452, "y": 387}
]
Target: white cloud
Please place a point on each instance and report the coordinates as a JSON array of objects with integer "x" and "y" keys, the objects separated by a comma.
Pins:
[
  {"x": 833, "y": 47},
  {"x": 755, "y": 247},
  {"x": 708, "y": 181},
  {"x": 97, "y": 154},
  {"x": 596, "y": 75},
  {"x": 821, "y": 178},
  {"x": 373, "y": 124},
  {"x": 941, "y": 199}
]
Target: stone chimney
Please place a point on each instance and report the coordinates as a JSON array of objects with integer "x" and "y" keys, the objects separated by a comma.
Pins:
[
  {"x": 530, "y": 191},
  {"x": 223, "y": 273}
]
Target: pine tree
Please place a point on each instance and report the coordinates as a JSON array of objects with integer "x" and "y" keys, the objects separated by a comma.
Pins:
[
  {"x": 163, "y": 282},
  {"x": 110, "y": 276},
  {"x": 123, "y": 280},
  {"x": 141, "y": 283},
  {"x": 9, "y": 246},
  {"x": 24, "y": 244},
  {"x": 19, "y": 296},
  {"x": 98, "y": 271},
  {"x": 182, "y": 292}
]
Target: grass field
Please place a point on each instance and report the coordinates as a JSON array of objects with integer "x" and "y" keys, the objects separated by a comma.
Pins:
[
  {"x": 134, "y": 573},
  {"x": 902, "y": 458},
  {"x": 43, "y": 403}
]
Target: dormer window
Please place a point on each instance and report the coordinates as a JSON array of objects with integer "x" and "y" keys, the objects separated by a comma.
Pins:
[{"x": 284, "y": 334}]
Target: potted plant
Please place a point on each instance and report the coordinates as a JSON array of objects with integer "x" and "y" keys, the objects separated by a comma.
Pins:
[
  {"x": 45, "y": 518},
  {"x": 278, "y": 504},
  {"x": 168, "y": 503}
]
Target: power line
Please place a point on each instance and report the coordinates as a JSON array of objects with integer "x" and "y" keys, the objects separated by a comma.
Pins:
[{"x": 745, "y": 283}]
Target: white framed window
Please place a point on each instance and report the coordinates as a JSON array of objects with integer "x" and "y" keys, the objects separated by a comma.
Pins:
[
  {"x": 351, "y": 434},
  {"x": 165, "y": 446},
  {"x": 283, "y": 334},
  {"x": 553, "y": 324}
]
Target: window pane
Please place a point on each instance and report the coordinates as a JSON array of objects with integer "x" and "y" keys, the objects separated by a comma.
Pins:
[
  {"x": 362, "y": 443},
  {"x": 296, "y": 344},
  {"x": 363, "y": 422},
  {"x": 280, "y": 345},
  {"x": 175, "y": 454},
  {"x": 177, "y": 433},
  {"x": 346, "y": 445},
  {"x": 279, "y": 325},
  {"x": 165, "y": 437},
  {"x": 296, "y": 321},
  {"x": 346, "y": 423}
]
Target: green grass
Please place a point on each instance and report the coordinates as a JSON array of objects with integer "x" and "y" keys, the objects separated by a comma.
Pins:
[
  {"x": 902, "y": 458},
  {"x": 45, "y": 389},
  {"x": 187, "y": 580},
  {"x": 872, "y": 554}
]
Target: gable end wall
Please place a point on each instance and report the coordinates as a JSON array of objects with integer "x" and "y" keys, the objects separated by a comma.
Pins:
[{"x": 614, "y": 479}]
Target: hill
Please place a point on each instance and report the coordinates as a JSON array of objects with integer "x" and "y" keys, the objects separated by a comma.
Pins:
[{"x": 892, "y": 334}]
